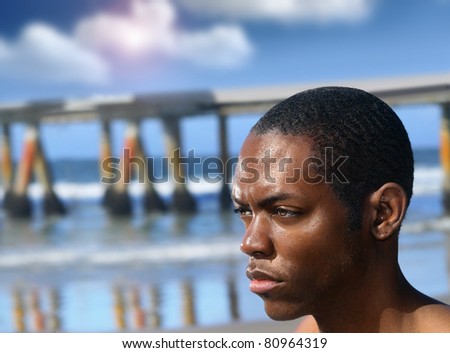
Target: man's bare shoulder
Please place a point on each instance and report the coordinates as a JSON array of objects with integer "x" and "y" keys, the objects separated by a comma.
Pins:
[
  {"x": 307, "y": 325},
  {"x": 433, "y": 318}
]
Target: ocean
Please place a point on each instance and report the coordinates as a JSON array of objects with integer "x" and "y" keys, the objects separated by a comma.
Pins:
[{"x": 90, "y": 272}]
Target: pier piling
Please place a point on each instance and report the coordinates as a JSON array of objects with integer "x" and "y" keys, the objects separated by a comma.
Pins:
[
  {"x": 17, "y": 202},
  {"x": 6, "y": 163},
  {"x": 134, "y": 160},
  {"x": 52, "y": 204},
  {"x": 106, "y": 170},
  {"x": 152, "y": 200},
  {"x": 225, "y": 195},
  {"x": 445, "y": 155},
  {"x": 119, "y": 201},
  {"x": 182, "y": 200}
]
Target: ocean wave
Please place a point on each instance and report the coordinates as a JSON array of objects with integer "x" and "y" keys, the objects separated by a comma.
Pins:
[
  {"x": 441, "y": 224},
  {"x": 218, "y": 250},
  {"x": 428, "y": 180},
  {"x": 93, "y": 191}
]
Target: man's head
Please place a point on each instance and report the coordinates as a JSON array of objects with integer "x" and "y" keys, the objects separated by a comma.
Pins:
[
  {"x": 354, "y": 124},
  {"x": 314, "y": 229}
]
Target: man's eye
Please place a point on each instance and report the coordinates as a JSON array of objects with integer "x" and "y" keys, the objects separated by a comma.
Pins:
[
  {"x": 243, "y": 211},
  {"x": 282, "y": 212}
]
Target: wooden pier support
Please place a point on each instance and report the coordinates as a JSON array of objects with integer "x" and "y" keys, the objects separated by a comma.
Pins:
[
  {"x": 152, "y": 200},
  {"x": 445, "y": 155},
  {"x": 182, "y": 200},
  {"x": 52, "y": 204},
  {"x": 6, "y": 163},
  {"x": 105, "y": 154},
  {"x": 17, "y": 202},
  {"x": 225, "y": 195},
  {"x": 117, "y": 198}
]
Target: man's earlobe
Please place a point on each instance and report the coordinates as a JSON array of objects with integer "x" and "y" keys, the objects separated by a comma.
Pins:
[{"x": 389, "y": 204}]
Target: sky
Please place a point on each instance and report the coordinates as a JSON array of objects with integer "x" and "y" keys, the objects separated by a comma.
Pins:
[{"x": 72, "y": 49}]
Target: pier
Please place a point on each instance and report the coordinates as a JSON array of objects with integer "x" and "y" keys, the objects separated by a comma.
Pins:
[{"x": 170, "y": 109}]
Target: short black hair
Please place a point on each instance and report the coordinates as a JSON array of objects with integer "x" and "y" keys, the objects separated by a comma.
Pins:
[{"x": 355, "y": 124}]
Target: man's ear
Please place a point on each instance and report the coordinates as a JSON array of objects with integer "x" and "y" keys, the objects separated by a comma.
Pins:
[{"x": 388, "y": 207}]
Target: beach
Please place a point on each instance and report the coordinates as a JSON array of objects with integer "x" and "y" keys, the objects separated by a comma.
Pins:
[{"x": 90, "y": 272}]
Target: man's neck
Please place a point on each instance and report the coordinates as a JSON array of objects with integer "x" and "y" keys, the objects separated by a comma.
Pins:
[{"x": 382, "y": 302}]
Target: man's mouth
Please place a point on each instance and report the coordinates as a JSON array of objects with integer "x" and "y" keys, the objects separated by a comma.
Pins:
[{"x": 262, "y": 282}]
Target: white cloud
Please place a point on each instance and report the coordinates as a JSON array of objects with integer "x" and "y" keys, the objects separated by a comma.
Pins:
[
  {"x": 44, "y": 54},
  {"x": 150, "y": 29},
  {"x": 320, "y": 11},
  {"x": 89, "y": 54},
  {"x": 222, "y": 45}
]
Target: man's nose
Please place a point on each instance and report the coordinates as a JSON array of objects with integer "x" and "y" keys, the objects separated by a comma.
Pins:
[{"x": 257, "y": 242}]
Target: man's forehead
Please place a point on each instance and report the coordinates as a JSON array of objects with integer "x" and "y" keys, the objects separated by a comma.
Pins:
[
  {"x": 256, "y": 191},
  {"x": 273, "y": 161},
  {"x": 277, "y": 145}
]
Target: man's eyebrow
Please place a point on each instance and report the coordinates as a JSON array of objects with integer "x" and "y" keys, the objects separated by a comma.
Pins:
[
  {"x": 265, "y": 201},
  {"x": 237, "y": 201},
  {"x": 271, "y": 199}
]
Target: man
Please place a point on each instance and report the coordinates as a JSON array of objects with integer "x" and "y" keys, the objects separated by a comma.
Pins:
[{"x": 322, "y": 185}]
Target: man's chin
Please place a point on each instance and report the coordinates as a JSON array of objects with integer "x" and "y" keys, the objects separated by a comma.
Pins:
[{"x": 281, "y": 313}]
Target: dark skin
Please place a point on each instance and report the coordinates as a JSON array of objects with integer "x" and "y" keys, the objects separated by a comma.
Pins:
[{"x": 303, "y": 260}]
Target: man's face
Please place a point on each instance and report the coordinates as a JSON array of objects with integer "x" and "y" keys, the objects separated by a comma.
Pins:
[{"x": 301, "y": 254}]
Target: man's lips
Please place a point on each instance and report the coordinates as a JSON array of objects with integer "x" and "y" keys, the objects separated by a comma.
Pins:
[{"x": 262, "y": 282}]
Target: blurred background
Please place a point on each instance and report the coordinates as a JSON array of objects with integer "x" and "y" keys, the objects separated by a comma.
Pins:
[{"x": 90, "y": 271}]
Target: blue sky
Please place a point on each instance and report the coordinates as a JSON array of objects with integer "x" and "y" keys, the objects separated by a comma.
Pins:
[{"x": 58, "y": 49}]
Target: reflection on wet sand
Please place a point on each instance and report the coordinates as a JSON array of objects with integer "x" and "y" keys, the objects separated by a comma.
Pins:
[
  {"x": 234, "y": 302},
  {"x": 18, "y": 311},
  {"x": 131, "y": 314},
  {"x": 29, "y": 314}
]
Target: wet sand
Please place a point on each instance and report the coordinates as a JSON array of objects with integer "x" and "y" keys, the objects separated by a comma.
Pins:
[
  {"x": 244, "y": 327},
  {"x": 249, "y": 327}
]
